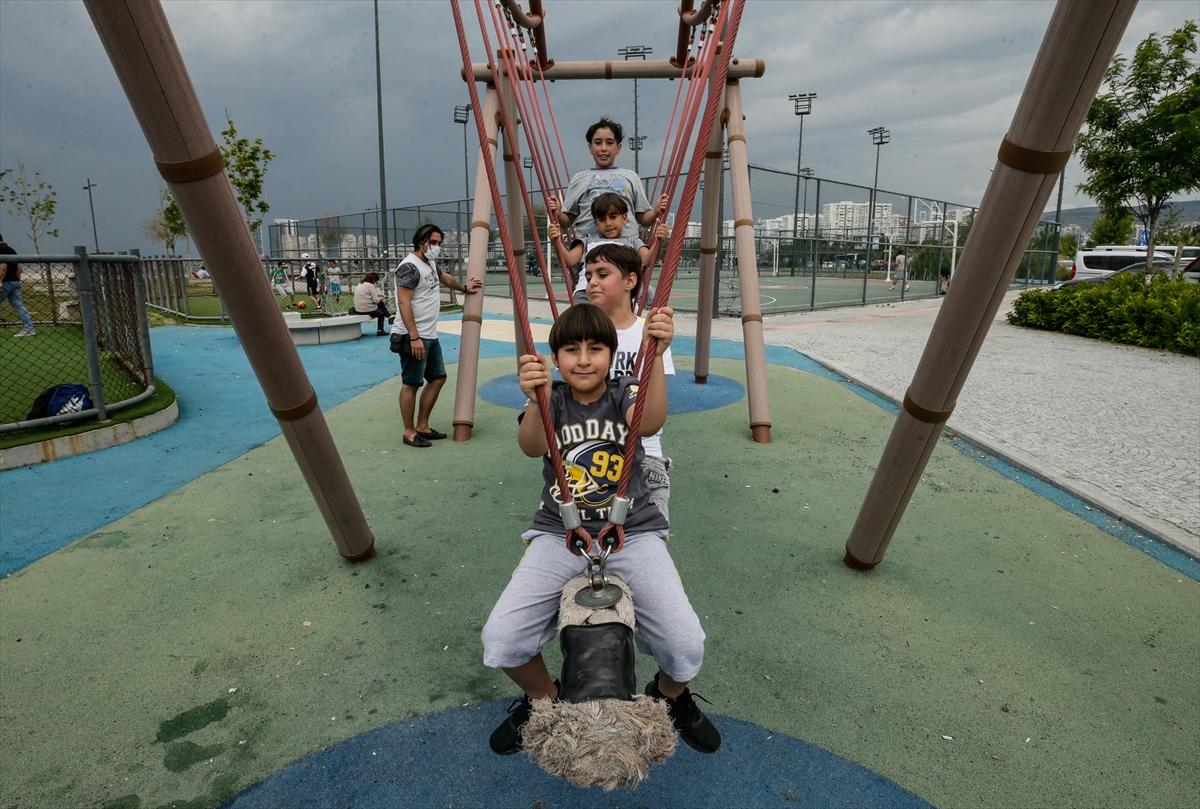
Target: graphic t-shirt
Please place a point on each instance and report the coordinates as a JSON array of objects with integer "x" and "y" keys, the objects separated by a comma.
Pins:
[
  {"x": 585, "y": 186},
  {"x": 593, "y": 240},
  {"x": 422, "y": 278},
  {"x": 592, "y": 440},
  {"x": 629, "y": 344}
]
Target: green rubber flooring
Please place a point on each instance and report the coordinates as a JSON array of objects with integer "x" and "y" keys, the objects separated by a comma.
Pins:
[{"x": 1005, "y": 654}]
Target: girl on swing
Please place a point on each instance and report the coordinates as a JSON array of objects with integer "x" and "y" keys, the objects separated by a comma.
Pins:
[{"x": 591, "y": 416}]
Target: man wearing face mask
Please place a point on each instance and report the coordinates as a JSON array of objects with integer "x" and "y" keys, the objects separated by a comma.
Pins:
[{"x": 418, "y": 303}]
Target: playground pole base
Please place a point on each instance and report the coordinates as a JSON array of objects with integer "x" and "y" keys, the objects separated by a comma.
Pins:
[
  {"x": 365, "y": 556},
  {"x": 761, "y": 433},
  {"x": 852, "y": 562},
  {"x": 701, "y": 380},
  {"x": 462, "y": 432}
]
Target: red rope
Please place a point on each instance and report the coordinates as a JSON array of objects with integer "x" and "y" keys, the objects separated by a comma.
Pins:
[
  {"x": 671, "y": 263},
  {"x": 578, "y": 535}
]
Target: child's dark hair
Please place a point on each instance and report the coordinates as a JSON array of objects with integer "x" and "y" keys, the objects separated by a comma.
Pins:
[
  {"x": 583, "y": 322},
  {"x": 607, "y": 203},
  {"x": 423, "y": 233},
  {"x": 604, "y": 123},
  {"x": 621, "y": 256}
]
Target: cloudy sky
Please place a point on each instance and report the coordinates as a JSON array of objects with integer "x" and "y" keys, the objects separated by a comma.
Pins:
[{"x": 944, "y": 77}]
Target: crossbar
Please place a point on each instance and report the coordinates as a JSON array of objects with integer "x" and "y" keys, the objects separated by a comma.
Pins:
[{"x": 621, "y": 69}]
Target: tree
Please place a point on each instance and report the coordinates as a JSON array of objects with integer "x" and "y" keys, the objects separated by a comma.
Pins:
[
  {"x": 246, "y": 164},
  {"x": 330, "y": 232},
  {"x": 1143, "y": 135},
  {"x": 1112, "y": 226},
  {"x": 167, "y": 225},
  {"x": 31, "y": 201}
]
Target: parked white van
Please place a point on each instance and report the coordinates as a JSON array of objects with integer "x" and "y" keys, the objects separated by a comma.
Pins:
[{"x": 1096, "y": 261}]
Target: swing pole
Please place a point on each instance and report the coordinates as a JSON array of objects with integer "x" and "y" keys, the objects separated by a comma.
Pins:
[
  {"x": 1076, "y": 51},
  {"x": 747, "y": 261},
  {"x": 710, "y": 216},
  {"x": 138, "y": 40},
  {"x": 481, "y": 231}
]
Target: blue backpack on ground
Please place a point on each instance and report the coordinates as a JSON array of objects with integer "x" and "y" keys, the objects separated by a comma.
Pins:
[{"x": 59, "y": 400}]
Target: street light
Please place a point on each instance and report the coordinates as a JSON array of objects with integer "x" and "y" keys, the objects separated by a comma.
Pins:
[
  {"x": 88, "y": 188},
  {"x": 529, "y": 171},
  {"x": 879, "y": 136},
  {"x": 383, "y": 231},
  {"x": 462, "y": 115},
  {"x": 635, "y": 143},
  {"x": 803, "y": 102}
]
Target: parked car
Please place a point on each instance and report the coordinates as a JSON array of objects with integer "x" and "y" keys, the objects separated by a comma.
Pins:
[
  {"x": 1191, "y": 273},
  {"x": 1095, "y": 261},
  {"x": 1160, "y": 264}
]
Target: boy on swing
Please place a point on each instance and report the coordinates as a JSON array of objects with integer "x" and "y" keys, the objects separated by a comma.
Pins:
[
  {"x": 610, "y": 213},
  {"x": 591, "y": 415}
]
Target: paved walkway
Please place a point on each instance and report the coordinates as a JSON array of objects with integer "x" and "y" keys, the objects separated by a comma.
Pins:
[{"x": 1117, "y": 426}]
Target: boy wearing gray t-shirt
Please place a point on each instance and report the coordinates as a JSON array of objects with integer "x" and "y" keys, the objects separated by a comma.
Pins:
[{"x": 604, "y": 142}]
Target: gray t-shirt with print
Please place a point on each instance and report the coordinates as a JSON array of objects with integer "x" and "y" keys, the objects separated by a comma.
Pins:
[
  {"x": 592, "y": 440},
  {"x": 585, "y": 186}
]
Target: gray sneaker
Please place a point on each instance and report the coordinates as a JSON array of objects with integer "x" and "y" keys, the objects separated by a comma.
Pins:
[{"x": 25, "y": 333}]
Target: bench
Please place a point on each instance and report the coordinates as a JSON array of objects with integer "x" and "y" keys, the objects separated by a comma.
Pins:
[{"x": 322, "y": 330}]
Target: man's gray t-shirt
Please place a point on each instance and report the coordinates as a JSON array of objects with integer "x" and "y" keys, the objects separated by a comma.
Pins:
[
  {"x": 422, "y": 277},
  {"x": 592, "y": 440},
  {"x": 585, "y": 186}
]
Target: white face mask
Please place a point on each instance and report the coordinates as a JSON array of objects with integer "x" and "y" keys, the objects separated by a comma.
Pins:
[{"x": 433, "y": 251}]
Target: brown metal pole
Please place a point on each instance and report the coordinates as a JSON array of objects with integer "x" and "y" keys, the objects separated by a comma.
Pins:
[
  {"x": 472, "y": 322},
  {"x": 1078, "y": 46},
  {"x": 710, "y": 229},
  {"x": 514, "y": 205},
  {"x": 620, "y": 69},
  {"x": 747, "y": 261},
  {"x": 685, "y": 35},
  {"x": 148, "y": 64}
]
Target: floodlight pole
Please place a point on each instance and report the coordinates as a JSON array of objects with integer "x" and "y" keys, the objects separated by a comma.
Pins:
[
  {"x": 462, "y": 115},
  {"x": 88, "y": 188},
  {"x": 635, "y": 143},
  {"x": 383, "y": 242},
  {"x": 803, "y": 102},
  {"x": 879, "y": 136}
]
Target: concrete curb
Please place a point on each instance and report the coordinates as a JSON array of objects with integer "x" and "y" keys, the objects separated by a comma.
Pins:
[
  {"x": 81, "y": 443},
  {"x": 1161, "y": 530}
]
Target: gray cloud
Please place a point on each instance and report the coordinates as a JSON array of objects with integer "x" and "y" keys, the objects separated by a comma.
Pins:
[{"x": 943, "y": 77}]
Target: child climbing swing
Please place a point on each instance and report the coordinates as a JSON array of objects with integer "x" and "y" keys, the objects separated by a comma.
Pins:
[{"x": 591, "y": 415}]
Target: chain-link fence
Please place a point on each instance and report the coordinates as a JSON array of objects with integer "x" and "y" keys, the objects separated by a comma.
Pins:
[
  {"x": 87, "y": 327},
  {"x": 819, "y": 243}
]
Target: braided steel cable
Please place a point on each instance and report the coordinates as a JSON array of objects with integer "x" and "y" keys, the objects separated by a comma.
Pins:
[{"x": 577, "y": 535}]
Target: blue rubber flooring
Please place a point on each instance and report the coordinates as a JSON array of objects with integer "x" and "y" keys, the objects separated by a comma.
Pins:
[{"x": 442, "y": 759}]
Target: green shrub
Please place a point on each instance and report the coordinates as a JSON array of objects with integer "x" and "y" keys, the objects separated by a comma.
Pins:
[{"x": 1162, "y": 314}]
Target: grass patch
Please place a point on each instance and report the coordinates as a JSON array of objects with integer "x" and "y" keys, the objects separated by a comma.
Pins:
[
  {"x": 1163, "y": 314},
  {"x": 163, "y": 396}
]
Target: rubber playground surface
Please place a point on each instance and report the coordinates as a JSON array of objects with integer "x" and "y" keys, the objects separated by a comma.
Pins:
[{"x": 179, "y": 631}]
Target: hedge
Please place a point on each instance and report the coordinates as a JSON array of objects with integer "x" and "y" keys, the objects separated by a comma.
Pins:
[{"x": 1162, "y": 314}]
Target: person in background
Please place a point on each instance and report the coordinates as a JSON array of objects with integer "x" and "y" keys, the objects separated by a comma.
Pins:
[
  {"x": 368, "y": 300},
  {"x": 10, "y": 277}
]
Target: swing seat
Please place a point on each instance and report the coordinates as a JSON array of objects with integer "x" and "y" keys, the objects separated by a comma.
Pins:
[{"x": 598, "y": 732}]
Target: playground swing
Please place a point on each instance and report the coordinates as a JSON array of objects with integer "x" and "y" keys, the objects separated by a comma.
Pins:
[{"x": 597, "y": 731}]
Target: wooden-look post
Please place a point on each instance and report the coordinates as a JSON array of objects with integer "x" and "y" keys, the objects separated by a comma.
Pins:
[
  {"x": 472, "y": 321},
  {"x": 513, "y": 204},
  {"x": 747, "y": 262},
  {"x": 1078, "y": 46},
  {"x": 710, "y": 232},
  {"x": 148, "y": 64}
]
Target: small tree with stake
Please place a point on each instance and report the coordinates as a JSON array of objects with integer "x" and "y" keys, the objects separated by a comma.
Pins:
[
  {"x": 1143, "y": 135},
  {"x": 31, "y": 201},
  {"x": 246, "y": 164}
]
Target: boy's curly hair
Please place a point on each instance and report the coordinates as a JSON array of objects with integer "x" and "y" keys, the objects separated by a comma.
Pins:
[
  {"x": 581, "y": 322},
  {"x": 605, "y": 123}
]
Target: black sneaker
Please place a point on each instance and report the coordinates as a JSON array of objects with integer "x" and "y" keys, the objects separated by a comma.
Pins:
[
  {"x": 506, "y": 739},
  {"x": 695, "y": 728}
]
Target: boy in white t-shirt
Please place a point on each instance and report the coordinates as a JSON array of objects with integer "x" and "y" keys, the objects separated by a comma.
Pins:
[
  {"x": 612, "y": 272},
  {"x": 610, "y": 212}
]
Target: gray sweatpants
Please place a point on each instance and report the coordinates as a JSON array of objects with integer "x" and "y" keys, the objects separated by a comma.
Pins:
[{"x": 526, "y": 616}]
